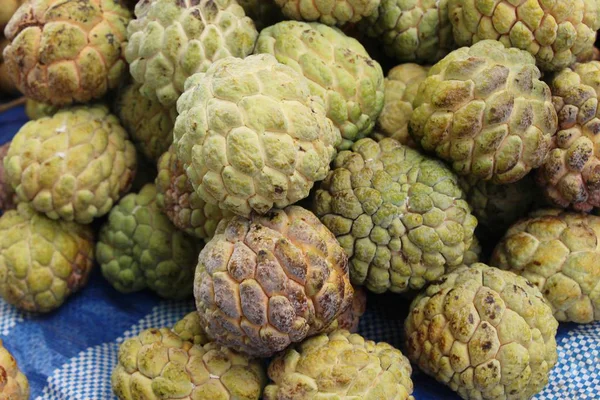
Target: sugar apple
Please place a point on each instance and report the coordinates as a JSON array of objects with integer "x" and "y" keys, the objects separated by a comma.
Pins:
[
  {"x": 8, "y": 198},
  {"x": 36, "y": 110},
  {"x": 139, "y": 247},
  {"x": 269, "y": 281},
  {"x": 250, "y": 135},
  {"x": 570, "y": 175},
  {"x": 399, "y": 216},
  {"x": 149, "y": 123},
  {"x": 329, "y": 12},
  {"x": 497, "y": 207},
  {"x": 486, "y": 333},
  {"x": 557, "y": 33},
  {"x": 73, "y": 165},
  {"x": 67, "y": 51},
  {"x": 485, "y": 110},
  {"x": 401, "y": 87},
  {"x": 263, "y": 12},
  {"x": 178, "y": 200},
  {"x": 338, "y": 69},
  {"x": 411, "y": 31},
  {"x": 172, "y": 39},
  {"x": 13, "y": 384},
  {"x": 558, "y": 252},
  {"x": 340, "y": 365},
  {"x": 42, "y": 262},
  {"x": 190, "y": 328},
  {"x": 350, "y": 318},
  {"x": 158, "y": 364}
]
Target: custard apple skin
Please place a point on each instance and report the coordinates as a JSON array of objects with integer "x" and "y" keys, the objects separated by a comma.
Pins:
[
  {"x": 73, "y": 165},
  {"x": 338, "y": 69},
  {"x": 399, "y": 216},
  {"x": 190, "y": 328},
  {"x": 340, "y": 365},
  {"x": 250, "y": 135},
  {"x": 42, "y": 262},
  {"x": 36, "y": 110},
  {"x": 158, "y": 364},
  {"x": 269, "y": 281},
  {"x": 497, "y": 207},
  {"x": 401, "y": 85},
  {"x": 570, "y": 175},
  {"x": 411, "y": 31},
  {"x": 8, "y": 198},
  {"x": 65, "y": 52},
  {"x": 485, "y": 111},
  {"x": 170, "y": 40},
  {"x": 558, "y": 251},
  {"x": 178, "y": 200},
  {"x": 486, "y": 333},
  {"x": 557, "y": 33},
  {"x": 350, "y": 318},
  {"x": 139, "y": 248},
  {"x": 149, "y": 123},
  {"x": 328, "y": 12},
  {"x": 14, "y": 385}
]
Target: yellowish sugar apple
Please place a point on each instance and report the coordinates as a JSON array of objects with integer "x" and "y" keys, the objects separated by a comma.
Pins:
[
  {"x": 329, "y": 12},
  {"x": 401, "y": 87},
  {"x": 149, "y": 123},
  {"x": 559, "y": 253},
  {"x": 340, "y": 365},
  {"x": 190, "y": 328},
  {"x": 338, "y": 69},
  {"x": 170, "y": 40},
  {"x": 400, "y": 217},
  {"x": 570, "y": 175},
  {"x": 557, "y": 33},
  {"x": 42, "y": 262},
  {"x": 158, "y": 364},
  {"x": 269, "y": 281},
  {"x": 486, "y": 333},
  {"x": 13, "y": 384},
  {"x": 251, "y": 136},
  {"x": 411, "y": 30},
  {"x": 178, "y": 200},
  {"x": 74, "y": 165},
  {"x": 63, "y": 52},
  {"x": 139, "y": 247},
  {"x": 485, "y": 110}
]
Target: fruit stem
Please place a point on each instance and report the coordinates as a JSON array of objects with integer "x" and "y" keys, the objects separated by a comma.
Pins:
[{"x": 12, "y": 104}]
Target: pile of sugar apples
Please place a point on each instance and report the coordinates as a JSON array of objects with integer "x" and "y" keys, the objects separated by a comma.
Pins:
[{"x": 278, "y": 159}]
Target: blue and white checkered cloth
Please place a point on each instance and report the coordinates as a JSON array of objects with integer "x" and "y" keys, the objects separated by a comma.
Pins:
[{"x": 69, "y": 354}]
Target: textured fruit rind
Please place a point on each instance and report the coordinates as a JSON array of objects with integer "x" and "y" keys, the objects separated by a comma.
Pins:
[
  {"x": 485, "y": 110},
  {"x": 36, "y": 110},
  {"x": 170, "y": 40},
  {"x": 557, "y": 33},
  {"x": 42, "y": 261},
  {"x": 13, "y": 385},
  {"x": 250, "y": 135},
  {"x": 350, "y": 318},
  {"x": 158, "y": 364},
  {"x": 73, "y": 165},
  {"x": 338, "y": 69},
  {"x": 269, "y": 281},
  {"x": 184, "y": 207},
  {"x": 410, "y": 30},
  {"x": 63, "y": 52},
  {"x": 570, "y": 175},
  {"x": 399, "y": 216},
  {"x": 149, "y": 123},
  {"x": 486, "y": 333},
  {"x": 190, "y": 328},
  {"x": 139, "y": 247},
  {"x": 340, "y": 365},
  {"x": 401, "y": 85},
  {"x": 329, "y": 12},
  {"x": 558, "y": 252}
]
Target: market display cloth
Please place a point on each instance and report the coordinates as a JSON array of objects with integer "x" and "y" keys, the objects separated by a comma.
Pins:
[{"x": 70, "y": 353}]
